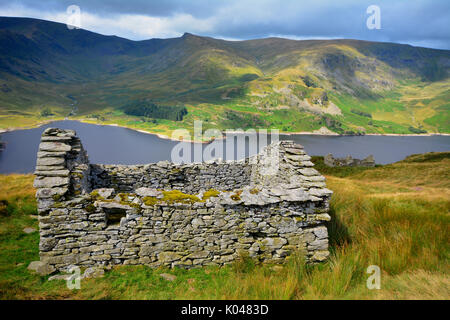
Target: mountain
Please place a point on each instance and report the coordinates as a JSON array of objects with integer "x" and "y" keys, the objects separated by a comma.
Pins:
[{"x": 347, "y": 86}]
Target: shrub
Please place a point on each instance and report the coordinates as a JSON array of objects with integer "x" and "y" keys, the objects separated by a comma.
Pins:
[
  {"x": 46, "y": 112},
  {"x": 416, "y": 130},
  {"x": 3, "y": 208}
]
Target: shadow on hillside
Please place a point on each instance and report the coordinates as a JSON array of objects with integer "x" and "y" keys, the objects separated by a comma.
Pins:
[{"x": 340, "y": 172}]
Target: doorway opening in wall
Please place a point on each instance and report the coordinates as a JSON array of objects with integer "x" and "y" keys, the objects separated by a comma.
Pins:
[{"x": 114, "y": 215}]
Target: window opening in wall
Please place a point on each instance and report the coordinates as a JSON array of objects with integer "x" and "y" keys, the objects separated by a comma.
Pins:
[{"x": 114, "y": 215}]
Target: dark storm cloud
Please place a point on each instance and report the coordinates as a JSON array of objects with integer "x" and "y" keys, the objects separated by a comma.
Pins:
[{"x": 417, "y": 22}]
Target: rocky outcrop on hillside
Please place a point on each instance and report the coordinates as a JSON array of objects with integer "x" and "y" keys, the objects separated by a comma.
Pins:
[{"x": 330, "y": 161}]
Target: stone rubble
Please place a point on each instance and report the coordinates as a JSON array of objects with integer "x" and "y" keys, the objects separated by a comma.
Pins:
[
  {"x": 29, "y": 230},
  {"x": 348, "y": 161},
  {"x": 168, "y": 277},
  {"x": 41, "y": 268}
]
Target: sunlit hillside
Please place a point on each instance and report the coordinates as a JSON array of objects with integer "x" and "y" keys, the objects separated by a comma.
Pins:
[{"x": 49, "y": 72}]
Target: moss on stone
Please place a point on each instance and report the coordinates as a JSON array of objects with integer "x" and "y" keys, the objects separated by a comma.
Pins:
[
  {"x": 57, "y": 197},
  {"x": 77, "y": 174},
  {"x": 210, "y": 193},
  {"x": 90, "y": 208},
  {"x": 59, "y": 205},
  {"x": 136, "y": 206},
  {"x": 95, "y": 194},
  {"x": 254, "y": 191},
  {"x": 178, "y": 196},
  {"x": 236, "y": 196},
  {"x": 150, "y": 201},
  {"x": 124, "y": 197},
  {"x": 175, "y": 171},
  {"x": 173, "y": 196}
]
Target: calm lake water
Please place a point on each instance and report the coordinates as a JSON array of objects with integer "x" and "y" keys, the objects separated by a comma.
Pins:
[{"x": 115, "y": 145}]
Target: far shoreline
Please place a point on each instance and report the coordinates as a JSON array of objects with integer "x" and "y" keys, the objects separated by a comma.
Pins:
[{"x": 165, "y": 137}]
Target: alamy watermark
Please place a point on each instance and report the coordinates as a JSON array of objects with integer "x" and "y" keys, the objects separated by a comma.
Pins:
[
  {"x": 74, "y": 280},
  {"x": 374, "y": 280},
  {"x": 374, "y": 20},
  {"x": 73, "y": 17}
]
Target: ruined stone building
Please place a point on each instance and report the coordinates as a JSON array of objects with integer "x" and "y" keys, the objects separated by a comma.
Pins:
[{"x": 186, "y": 215}]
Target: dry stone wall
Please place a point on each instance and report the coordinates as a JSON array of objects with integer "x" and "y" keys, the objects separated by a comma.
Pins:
[
  {"x": 177, "y": 215},
  {"x": 165, "y": 175},
  {"x": 348, "y": 161}
]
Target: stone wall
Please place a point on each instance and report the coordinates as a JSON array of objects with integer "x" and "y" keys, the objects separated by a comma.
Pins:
[
  {"x": 165, "y": 175},
  {"x": 177, "y": 215},
  {"x": 348, "y": 161}
]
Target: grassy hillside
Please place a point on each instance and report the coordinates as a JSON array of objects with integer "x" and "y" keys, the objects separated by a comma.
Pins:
[
  {"x": 394, "y": 216},
  {"x": 347, "y": 86}
]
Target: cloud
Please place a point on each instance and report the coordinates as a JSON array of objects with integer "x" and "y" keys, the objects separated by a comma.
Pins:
[
  {"x": 132, "y": 26},
  {"x": 138, "y": 27},
  {"x": 417, "y": 22}
]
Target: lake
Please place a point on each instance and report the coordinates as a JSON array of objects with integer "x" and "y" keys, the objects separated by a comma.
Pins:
[{"x": 116, "y": 145}]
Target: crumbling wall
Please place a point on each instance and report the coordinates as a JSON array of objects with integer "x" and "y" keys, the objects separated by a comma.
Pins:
[
  {"x": 189, "y": 178},
  {"x": 348, "y": 161},
  {"x": 267, "y": 207}
]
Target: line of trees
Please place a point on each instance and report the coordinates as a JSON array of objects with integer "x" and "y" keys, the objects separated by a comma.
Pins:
[
  {"x": 151, "y": 110},
  {"x": 361, "y": 113}
]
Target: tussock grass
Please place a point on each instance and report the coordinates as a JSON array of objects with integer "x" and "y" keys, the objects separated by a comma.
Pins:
[{"x": 394, "y": 216}]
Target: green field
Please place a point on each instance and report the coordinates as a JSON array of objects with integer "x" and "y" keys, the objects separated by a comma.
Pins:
[{"x": 395, "y": 216}]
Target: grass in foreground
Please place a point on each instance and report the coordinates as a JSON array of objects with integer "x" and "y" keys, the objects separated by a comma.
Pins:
[{"x": 394, "y": 216}]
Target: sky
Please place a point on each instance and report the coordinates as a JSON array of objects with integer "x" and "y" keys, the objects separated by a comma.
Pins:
[{"x": 417, "y": 22}]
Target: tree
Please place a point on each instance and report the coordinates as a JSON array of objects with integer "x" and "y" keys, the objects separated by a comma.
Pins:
[{"x": 46, "y": 112}]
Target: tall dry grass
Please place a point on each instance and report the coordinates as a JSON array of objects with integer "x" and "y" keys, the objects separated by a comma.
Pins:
[{"x": 395, "y": 216}]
